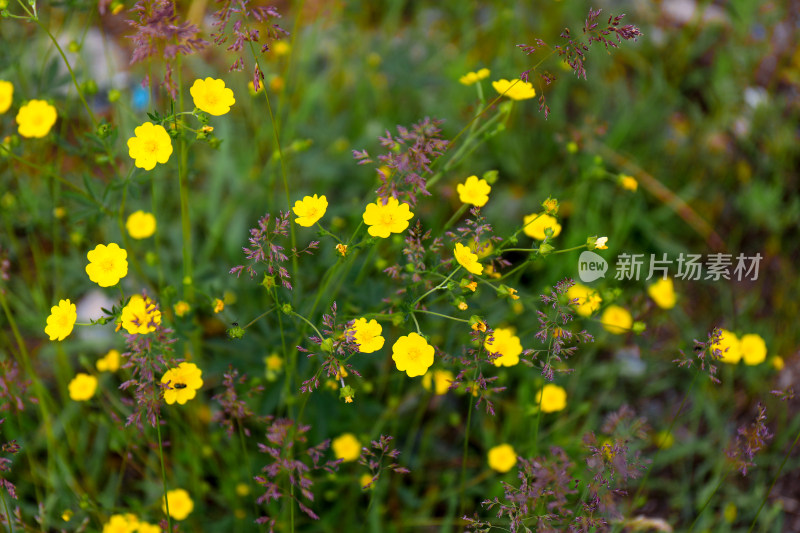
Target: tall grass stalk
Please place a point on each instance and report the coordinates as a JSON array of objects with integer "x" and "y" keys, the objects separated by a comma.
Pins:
[
  {"x": 774, "y": 480},
  {"x": 163, "y": 471}
]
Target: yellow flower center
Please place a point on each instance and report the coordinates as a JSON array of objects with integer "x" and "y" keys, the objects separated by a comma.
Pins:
[
  {"x": 150, "y": 146},
  {"x": 211, "y": 99},
  {"x": 387, "y": 219},
  {"x": 63, "y": 321},
  {"x": 414, "y": 354},
  {"x": 107, "y": 265}
]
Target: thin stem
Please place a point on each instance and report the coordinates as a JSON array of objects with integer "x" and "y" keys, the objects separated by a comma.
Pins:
[
  {"x": 163, "y": 472},
  {"x": 246, "y": 456},
  {"x": 464, "y": 320},
  {"x": 442, "y": 285},
  {"x": 419, "y": 331},
  {"x": 466, "y": 443},
  {"x": 69, "y": 68},
  {"x": 8, "y": 515},
  {"x": 276, "y": 134},
  {"x": 307, "y": 321},
  {"x": 183, "y": 180},
  {"x": 669, "y": 431},
  {"x": 774, "y": 480},
  {"x": 708, "y": 500},
  {"x": 259, "y": 317},
  {"x": 47, "y": 172}
]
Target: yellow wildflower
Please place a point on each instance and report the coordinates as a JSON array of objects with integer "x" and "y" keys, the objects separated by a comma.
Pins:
[
  {"x": 140, "y": 316},
  {"x": 36, "y": 118},
  {"x": 474, "y": 77},
  {"x": 310, "y": 210},
  {"x": 502, "y": 458},
  {"x": 628, "y": 183},
  {"x": 474, "y": 191},
  {"x": 182, "y": 385},
  {"x": 551, "y": 398},
  {"x": 82, "y": 387},
  {"x": 212, "y": 96},
  {"x": 150, "y": 144},
  {"x": 753, "y": 348},
  {"x": 412, "y": 354},
  {"x": 467, "y": 259},
  {"x": 367, "y": 334},
  {"x": 588, "y": 300},
  {"x": 109, "y": 362},
  {"x": 6, "y": 95},
  {"x": 516, "y": 89},
  {"x": 729, "y": 347},
  {"x": 663, "y": 293},
  {"x": 616, "y": 320},
  {"x": 61, "y": 320},
  {"x": 141, "y": 225},
  {"x": 180, "y": 504},
  {"x": 440, "y": 379},
  {"x": 181, "y": 308},
  {"x": 506, "y": 344},
  {"x": 346, "y": 447},
  {"x": 384, "y": 219},
  {"x": 536, "y": 224}
]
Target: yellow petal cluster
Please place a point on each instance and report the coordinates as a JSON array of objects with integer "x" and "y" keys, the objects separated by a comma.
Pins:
[
  {"x": 109, "y": 362},
  {"x": 212, "y": 96},
  {"x": 82, "y": 387},
  {"x": 551, "y": 398},
  {"x": 150, "y": 144},
  {"x": 367, "y": 335},
  {"x": 61, "y": 320},
  {"x": 474, "y": 191},
  {"x": 384, "y": 219},
  {"x": 310, "y": 209},
  {"x": 616, "y": 320},
  {"x": 346, "y": 447},
  {"x": 467, "y": 259},
  {"x": 140, "y": 316},
  {"x": 180, "y": 504},
  {"x": 141, "y": 225},
  {"x": 440, "y": 379},
  {"x": 474, "y": 77},
  {"x": 502, "y": 458},
  {"x": 506, "y": 344},
  {"x": 6, "y": 95},
  {"x": 588, "y": 300},
  {"x": 182, "y": 385},
  {"x": 412, "y": 354},
  {"x": 536, "y": 224},
  {"x": 663, "y": 293},
  {"x": 516, "y": 89},
  {"x": 36, "y": 118}
]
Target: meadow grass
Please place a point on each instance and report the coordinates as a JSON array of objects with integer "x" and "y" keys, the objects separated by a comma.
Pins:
[{"x": 314, "y": 318}]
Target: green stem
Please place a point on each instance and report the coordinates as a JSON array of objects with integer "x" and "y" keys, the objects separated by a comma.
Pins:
[
  {"x": 276, "y": 134},
  {"x": 163, "y": 472},
  {"x": 655, "y": 456},
  {"x": 8, "y": 515},
  {"x": 246, "y": 456},
  {"x": 47, "y": 172},
  {"x": 455, "y": 216},
  {"x": 442, "y": 285},
  {"x": 441, "y": 315},
  {"x": 259, "y": 317},
  {"x": 774, "y": 480},
  {"x": 708, "y": 500},
  {"x": 461, "y": 498},
  {"x": 183, "y": 180},
  {"x": 307, "y": 321},
  {"x": 69, "y": 68}
]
